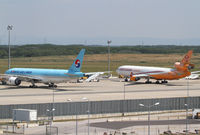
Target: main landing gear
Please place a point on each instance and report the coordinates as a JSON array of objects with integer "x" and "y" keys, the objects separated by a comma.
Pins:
[
  {"x": 148, "y": 82},
  {"x": 52, "y": 85},
  {"x": 163, "y": 81},
  {"x": 157, "y": 82},
  {"x": 33, "y": 85}
]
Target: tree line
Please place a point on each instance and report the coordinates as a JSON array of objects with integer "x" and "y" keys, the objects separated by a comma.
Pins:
[{"x": 34, "y": 50}]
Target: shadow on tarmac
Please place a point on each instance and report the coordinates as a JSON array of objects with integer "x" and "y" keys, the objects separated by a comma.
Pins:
[
  {"x": 124, "y": 124},
  {"x": 58, "y": 89},
  {"x": 141, "y": 83}
]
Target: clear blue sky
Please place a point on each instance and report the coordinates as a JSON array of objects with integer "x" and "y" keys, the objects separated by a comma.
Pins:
[{"x": 95, "y": 21}]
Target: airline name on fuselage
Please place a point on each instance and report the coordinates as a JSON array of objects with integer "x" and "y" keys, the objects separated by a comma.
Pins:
[
  {"x": 129, "y": 69},
  {"x": 21, "y": 72}
]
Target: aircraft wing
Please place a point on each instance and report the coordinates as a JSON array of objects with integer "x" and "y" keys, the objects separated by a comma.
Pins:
[
  {"x": 21, "y": 77},
  {"x": 141, "y": 75},
  {"x": 93, "y": 75},
  {"x": 192, "y": 76},
  {"x": 195, "y": 72}
]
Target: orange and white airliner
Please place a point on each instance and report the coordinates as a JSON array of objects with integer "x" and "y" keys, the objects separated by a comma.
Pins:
[{"x": 135, "y": 73}]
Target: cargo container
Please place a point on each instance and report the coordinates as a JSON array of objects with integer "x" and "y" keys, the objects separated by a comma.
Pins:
[{"x": 24, "y": 115}]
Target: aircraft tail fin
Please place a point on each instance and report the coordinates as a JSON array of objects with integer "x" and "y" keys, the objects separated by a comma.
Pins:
[
  {"x": 187, "y": 57},
  {"x": 185, "y": 64},
  {"x": 76, "y": 66}
]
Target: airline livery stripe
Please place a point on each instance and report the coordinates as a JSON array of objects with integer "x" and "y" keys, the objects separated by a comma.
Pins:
[
  {"x": 127, "y": 69},
  {"x": 147, "y": 72}
]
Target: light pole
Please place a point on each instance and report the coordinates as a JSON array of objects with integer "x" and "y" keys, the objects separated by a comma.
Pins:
[
  {"x": 9, "y": 28},
  {"x": 53, "y": 105},
  {"x": 109, "y": 41},
  {"x": 186, "y": 105},
  {"x": 124, "y": 100},
  {"x": 124, "y": 91},
  {"x": 186, "y": 122},
  {"x": 187, "y": 88},
  {"x": 88, "y": 111},
  {"x": 149, "y": 106},
  {"x": 76, "y": 116},
  {"x": 50, "y": 112}
]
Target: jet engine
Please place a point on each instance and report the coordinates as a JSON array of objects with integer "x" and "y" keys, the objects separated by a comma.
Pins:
[
  {"x": 14, "y": 81},
  {"x": 190, "y": 66},
  {"x": 133, "y": 78},
  {"x": 181, "y": 67}
]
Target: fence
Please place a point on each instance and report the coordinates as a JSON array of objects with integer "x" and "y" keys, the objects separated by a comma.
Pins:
[{"x": 102, "y": 107}]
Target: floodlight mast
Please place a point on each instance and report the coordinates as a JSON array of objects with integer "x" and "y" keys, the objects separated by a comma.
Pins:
[
  {"x": 9, "y": 28},
  {"x": 88, "y": 112},
  {"x": 149, "y": 106},
  {"x": 76, "y": 115},
  {"x": 186, "y": 123},
  {"x": 109, "y": 41}
]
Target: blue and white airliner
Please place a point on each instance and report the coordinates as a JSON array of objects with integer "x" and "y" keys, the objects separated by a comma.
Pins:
[{"x": 14, "y": 76}]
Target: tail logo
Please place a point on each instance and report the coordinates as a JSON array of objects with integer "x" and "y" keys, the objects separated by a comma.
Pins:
[
  {"x": 186, "y": 58},
  {"x": 77, "y": 63}
]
